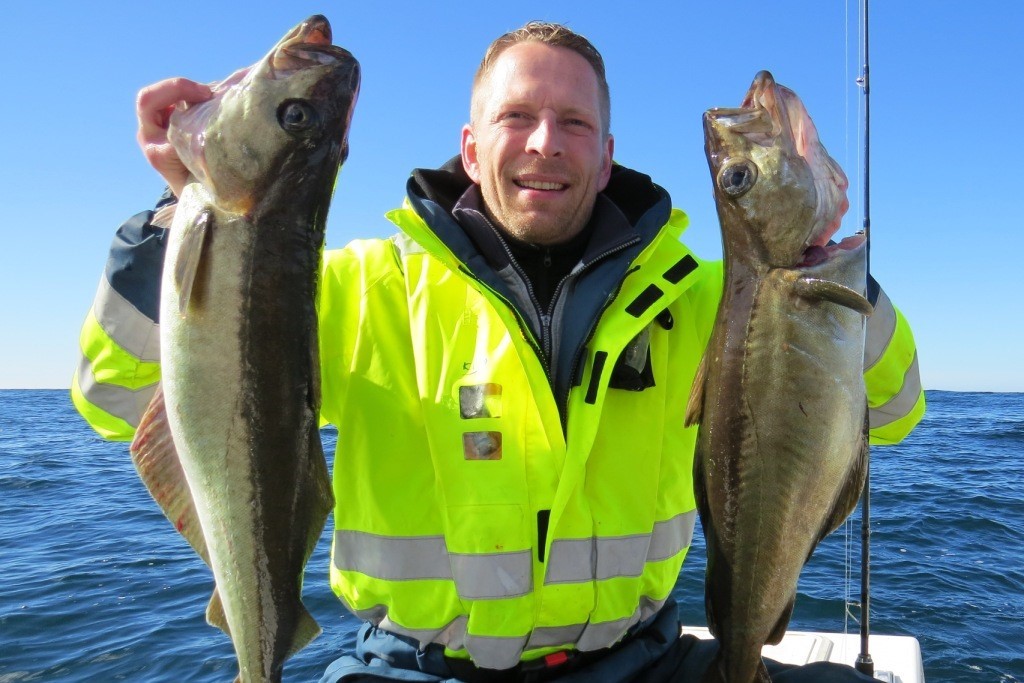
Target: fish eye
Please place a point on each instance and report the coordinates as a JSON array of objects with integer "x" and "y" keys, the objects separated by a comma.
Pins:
[
  {"x": 297, "y": 116},
  {"x": 735, "y": 179}
]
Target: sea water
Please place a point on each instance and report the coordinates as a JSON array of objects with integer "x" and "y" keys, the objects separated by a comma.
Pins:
[{"x": 95, "y": 584}]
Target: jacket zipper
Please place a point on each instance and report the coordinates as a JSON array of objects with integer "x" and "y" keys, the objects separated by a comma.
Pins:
[
  {"x": 563, "y": 401},
  {"x": 545, "y": 318},
  {"x": 523, "y": 326},
  {"x": 544, "y": 351}
]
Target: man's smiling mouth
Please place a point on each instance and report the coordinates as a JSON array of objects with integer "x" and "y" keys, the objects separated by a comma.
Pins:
[{"x": 539, "y": 185}]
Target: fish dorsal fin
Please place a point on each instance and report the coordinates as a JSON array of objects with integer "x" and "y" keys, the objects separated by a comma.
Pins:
[
  {"x": 695, "y": 406},
  {"x": 826, "y": 290},
  {"x": 190, "y": 253},
  {"x": 156, "y": 460}
]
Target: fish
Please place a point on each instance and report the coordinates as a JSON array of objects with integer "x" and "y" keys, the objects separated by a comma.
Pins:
[
  {"x": 230, "y": 446},
  {"x": 779, "y": 398}
]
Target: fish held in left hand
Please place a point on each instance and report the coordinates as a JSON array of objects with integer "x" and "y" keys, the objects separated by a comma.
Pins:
[
  {"x": 230, "y": 447},
  {"x": 781, "y": 449}
]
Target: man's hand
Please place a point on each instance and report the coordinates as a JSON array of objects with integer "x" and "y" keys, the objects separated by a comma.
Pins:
[{"x": 153, "y": 107}]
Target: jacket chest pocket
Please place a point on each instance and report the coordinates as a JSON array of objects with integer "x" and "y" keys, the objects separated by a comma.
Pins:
[{"x": 633, "y": 370}]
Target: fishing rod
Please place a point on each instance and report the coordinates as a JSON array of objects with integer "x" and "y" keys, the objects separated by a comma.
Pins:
[{"x": 864, "y": 663}]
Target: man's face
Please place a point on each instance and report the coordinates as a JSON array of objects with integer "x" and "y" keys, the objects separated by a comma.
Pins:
[{"x": 536, "y": 144}]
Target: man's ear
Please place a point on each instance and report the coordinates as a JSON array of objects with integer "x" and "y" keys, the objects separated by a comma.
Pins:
[
  {"x": 606, "y": 166},
  {"x": 469, "y": 161}
]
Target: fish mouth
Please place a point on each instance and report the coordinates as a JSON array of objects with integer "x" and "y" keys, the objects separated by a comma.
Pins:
[
  {"x": 791, "y": 120},
  {"x": 307, "y": 45},
  {"x": 816, "y": 254},
  {"x": 315, "y": 29},
  {"x": 772, "y": 115}
]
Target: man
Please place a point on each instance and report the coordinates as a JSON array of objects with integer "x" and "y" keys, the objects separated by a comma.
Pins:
[{"x": 514, "y": 483}]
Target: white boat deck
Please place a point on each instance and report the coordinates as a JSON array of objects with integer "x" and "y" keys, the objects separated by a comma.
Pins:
[{"x": 897, "y": 658}]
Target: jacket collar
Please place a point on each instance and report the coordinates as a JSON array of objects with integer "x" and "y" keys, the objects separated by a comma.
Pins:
[
  {"x": 606, "y": 231},
  {"x": 631, "y": 206}
]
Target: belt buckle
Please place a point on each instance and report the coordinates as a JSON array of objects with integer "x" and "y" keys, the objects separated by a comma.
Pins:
[{"x": 548, "y": 663}]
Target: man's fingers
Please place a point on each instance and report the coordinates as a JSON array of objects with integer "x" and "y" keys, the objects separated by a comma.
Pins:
[
  {"x": 153, "y": 124},
  {"x": 153, "y": 106},
  {"x": 154, "y": 103},
  {"x": 171, "y": 91}
]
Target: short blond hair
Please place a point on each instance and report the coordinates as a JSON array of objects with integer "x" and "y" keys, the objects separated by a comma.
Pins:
[{"x": 555, "y": 35}]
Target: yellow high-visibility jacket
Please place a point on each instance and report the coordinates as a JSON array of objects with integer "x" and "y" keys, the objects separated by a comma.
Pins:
[{"x": 496, "y": 493}]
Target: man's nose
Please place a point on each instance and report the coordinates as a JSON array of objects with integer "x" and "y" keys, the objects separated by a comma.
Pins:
[{"x": 545, "y": 138}]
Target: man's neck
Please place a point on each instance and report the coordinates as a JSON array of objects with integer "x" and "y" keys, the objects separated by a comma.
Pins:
[{"x": 544, "y": 266}]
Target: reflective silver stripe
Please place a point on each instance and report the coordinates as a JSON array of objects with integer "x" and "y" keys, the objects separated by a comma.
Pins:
[
  {"x": 493, "y": 575},
  {"x": 483, "y": 576},
  {"x": 596, "y": 559},
  {"x": 621, "y": 556},
  {"x": 671, "y": 536},
  {"x": 902, "y": 403},
  {"x": 452, "y": 636},
  {"x": 392, "y": 558},
  {"x": 374, "y": 615},
  {"x": 594, "y": 636},
  {"x": 605, "y": 634},
  {"x": 571, "y": 561},
  {"x": 500, "y": 652},
  {"x": 881, "y": 326},
  {"x": 597, "y": 636},
  {"x": 122, "y": 402},
  {"x": 126, "y": 325},
  {"x": 494, "y": 652},
  {"x": 649, "y": 607},
  {"x": 555, "y": 636}
]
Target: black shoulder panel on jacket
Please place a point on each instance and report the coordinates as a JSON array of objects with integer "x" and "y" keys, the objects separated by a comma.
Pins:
[{"x": 136, "y": 260}]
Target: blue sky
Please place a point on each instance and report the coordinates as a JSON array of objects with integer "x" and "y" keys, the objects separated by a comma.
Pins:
[{"x": 946, "y": 104}]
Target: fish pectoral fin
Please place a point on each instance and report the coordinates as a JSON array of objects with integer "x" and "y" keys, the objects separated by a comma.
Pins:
[
  {"x": 305, "y": 631},
  {"x": 826, "y": 290},
  {"x": 156, "y": 460},
  {"x": 186, "y": 266},
  {"x": 215, "y": 613},
  {"x": 695, "y": 406}
]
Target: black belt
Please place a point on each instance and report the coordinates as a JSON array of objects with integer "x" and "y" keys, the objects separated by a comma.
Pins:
[{"x": 546, "y": 668}]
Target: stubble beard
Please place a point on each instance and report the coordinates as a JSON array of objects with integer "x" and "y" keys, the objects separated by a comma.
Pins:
[{"x": 550, "y": 228}]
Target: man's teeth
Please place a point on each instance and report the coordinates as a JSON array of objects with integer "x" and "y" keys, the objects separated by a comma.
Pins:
[{"x": 538, "y": 185}]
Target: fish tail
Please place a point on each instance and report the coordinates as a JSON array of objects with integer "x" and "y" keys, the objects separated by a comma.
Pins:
[
  {"x": 723, "y": 670},
  {"x": 715, "y": 673}
]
